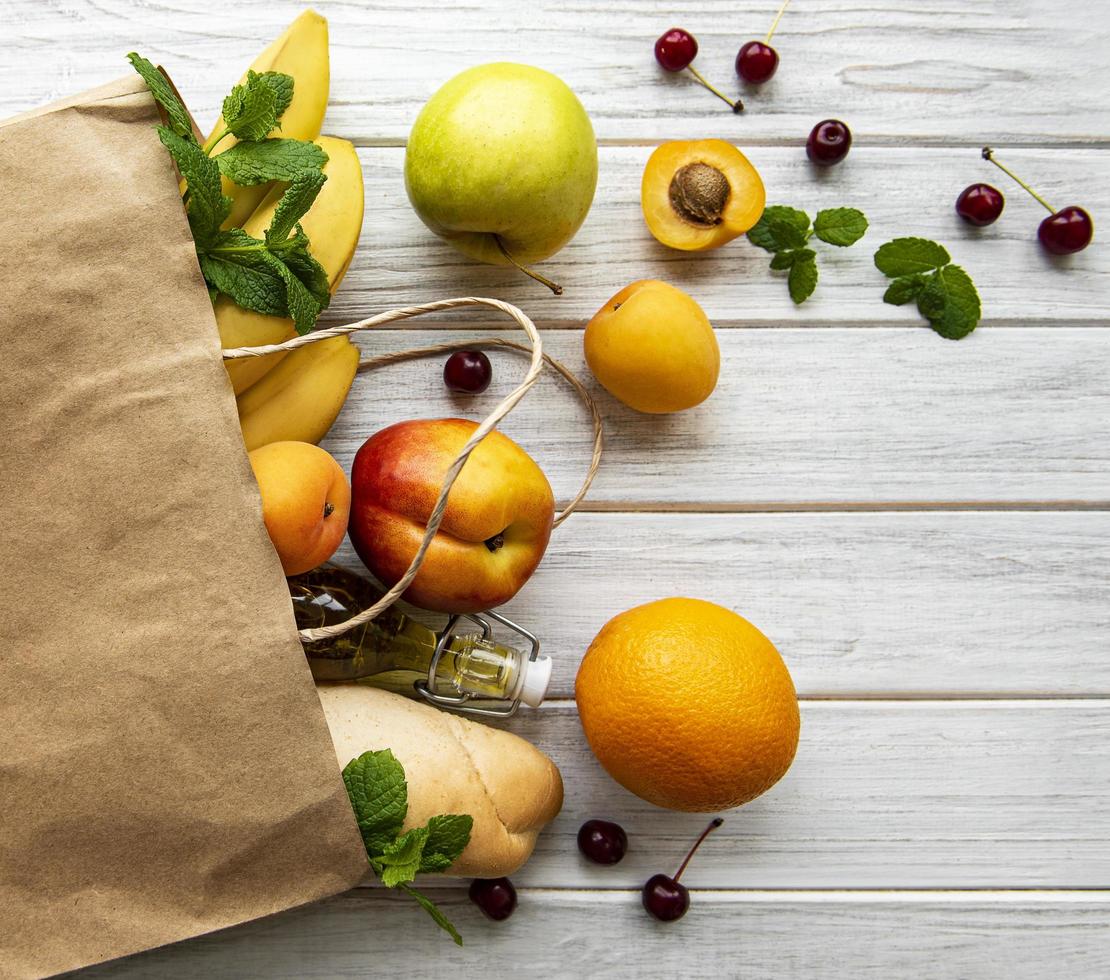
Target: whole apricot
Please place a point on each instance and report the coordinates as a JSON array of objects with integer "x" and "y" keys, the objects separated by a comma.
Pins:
[
  {"x": 653, "y": 348},
  {"x": 700, "y": 194},
  {"x": 306, "y": 500}
]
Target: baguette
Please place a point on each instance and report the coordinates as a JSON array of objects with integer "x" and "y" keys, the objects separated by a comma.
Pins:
[{"x": 453, "y": 765}]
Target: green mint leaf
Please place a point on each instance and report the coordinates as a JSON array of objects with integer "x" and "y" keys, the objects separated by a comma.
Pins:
[
  {"x": 784, "y": 260},
  {"x": 448, "y": 835},
  {"x": 303, "y": 307},
  {"x": 803, "y": 278},
  {"x": 910, "y": 256},
  {"x": 164, "y": 95},
  {"x": 840, "y": 226},
  {"x": 433, "y": 910},
  {"x": 787, "y": 235},
  {"x": 294, "y": 204},
  {"x": 250, "y": 110},
  {"x": 376, "y": 785},
  {"x": 400, "y": 861},
  {"x": 780, "y": 228},
  {"x": 962, "y": 308},
  {"x": 933, "y": 297},
  {"x": 207, "y": 207},
  {"x": 313, "y": 275},
  {"x": 236, "y": 265},
  {"x": 247, "y": 164},
  {"x": 903, "y": 290},
  {"x": 280, "y": 279},
  {"x": 282, "y": 86}
]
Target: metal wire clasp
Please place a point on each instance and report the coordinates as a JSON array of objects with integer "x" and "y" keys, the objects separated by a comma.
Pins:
[{"x": 491, "y": 707}]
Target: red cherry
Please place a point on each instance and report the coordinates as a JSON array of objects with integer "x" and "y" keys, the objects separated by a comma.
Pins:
[
  {"x": 829, "y": 142},
  {"x": 1063, "y": 232},
  {"x": 980, "y": 204},
  {"x": 496, "y": 897},
  {"x": 602, "y": 841},
  {"x": 467, "y": 371},
  {"x": 676, "y": 49},
  {"x": 665, "y": 897},
  {"x": 1068, "y": 230},
  {"x": 756, "y": 62}
]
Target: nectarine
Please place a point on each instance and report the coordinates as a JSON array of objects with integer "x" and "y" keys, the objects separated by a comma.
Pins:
[
  {"x": 306, "y": 500},
  {"x": 495, "y": 528}
]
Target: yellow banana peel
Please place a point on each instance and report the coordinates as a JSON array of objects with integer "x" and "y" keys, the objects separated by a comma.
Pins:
[
  {"x": 300, "y": 398},
  {"x": 302, "y": 51},
  {"x": 333, "y": 225}
]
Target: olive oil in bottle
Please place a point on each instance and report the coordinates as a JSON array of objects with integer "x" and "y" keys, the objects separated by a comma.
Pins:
[{"x": 395, "y": 651}]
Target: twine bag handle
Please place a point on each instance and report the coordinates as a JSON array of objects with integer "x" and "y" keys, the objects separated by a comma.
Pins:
[{"x": 537, "y": 360}]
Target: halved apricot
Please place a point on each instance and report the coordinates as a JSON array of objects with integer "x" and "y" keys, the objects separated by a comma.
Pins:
[{"x": 700, "y": 194}]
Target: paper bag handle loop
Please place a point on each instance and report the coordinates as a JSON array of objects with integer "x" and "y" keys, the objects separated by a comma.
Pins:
[{"x": 537, "y": 359}]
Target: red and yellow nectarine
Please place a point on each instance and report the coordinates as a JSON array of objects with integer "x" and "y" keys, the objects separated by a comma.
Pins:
[{"x": 495, "y": 528}]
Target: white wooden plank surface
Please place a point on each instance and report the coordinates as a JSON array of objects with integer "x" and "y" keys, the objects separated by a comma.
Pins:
[
  {"x": 802, "y": 416},
  {"x": 897, "y": 604},
  {"x": 801, "y": 936},
  {"x": 941, "y": 71},
  {"x": 883, "y": 794},
  {"x": 903, "y": 568},
  {"x": 902, "y": 191}
]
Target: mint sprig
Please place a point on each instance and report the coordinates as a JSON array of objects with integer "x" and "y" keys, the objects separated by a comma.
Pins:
[
  {"x": 922, "y": 271},
  {"x": 378, "y": 792},
  {"x": 786, "y": 233},
  {"x": 276, "y": 274}
]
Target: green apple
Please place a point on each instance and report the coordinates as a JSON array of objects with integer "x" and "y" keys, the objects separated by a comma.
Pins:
[{"x": 502, "y": 163}]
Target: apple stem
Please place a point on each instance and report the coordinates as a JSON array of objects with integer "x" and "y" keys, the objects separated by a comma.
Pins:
[
  {"x": 713, "y": 825},
  {"x": 988, "y": 154},
  {"x": 736, "y": 106},
  {"x": 553, "y": 286},
  {"x": 775, "y": 22}
]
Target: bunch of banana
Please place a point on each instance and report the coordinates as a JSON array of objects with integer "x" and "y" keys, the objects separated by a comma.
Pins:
[{"x": 298, "y": 395}]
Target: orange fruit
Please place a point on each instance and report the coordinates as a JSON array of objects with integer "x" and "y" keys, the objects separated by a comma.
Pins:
[{"x": 688, "y": 705}]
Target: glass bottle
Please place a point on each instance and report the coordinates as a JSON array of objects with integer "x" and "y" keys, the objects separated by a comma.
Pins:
[{"x": 395, "y": 651}]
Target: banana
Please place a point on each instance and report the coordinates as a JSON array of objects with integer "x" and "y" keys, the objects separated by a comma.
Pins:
[
  {"x": 333, "y": 225},
  {"x": 301, "y": 397},
  {"x": 302, "y": 51}
]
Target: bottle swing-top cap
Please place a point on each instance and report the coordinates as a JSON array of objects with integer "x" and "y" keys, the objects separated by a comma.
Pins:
[
  {"x": 537, "y": 677},
  {"x": 535, "y": 672}
]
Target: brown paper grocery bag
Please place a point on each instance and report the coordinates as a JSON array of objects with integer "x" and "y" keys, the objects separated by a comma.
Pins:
[{"x": 165, "y": 768}]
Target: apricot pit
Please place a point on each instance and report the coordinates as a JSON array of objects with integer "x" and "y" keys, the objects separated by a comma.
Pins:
[{"x": 700, "y": 194}]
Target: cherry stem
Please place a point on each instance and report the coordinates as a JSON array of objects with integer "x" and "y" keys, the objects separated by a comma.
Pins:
[
  {"x": 736, "y": 106},
  {"x": 775, "y": 22},
  {"x": 553, "y": 286},
  {"x": 988, "y": 154},
  {"x": 713, "y": 825}
]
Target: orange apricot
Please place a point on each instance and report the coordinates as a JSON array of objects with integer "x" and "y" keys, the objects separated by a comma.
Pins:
[
  {"x": 700, "y": 194},
  {"x": 306, "y": 500}
]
